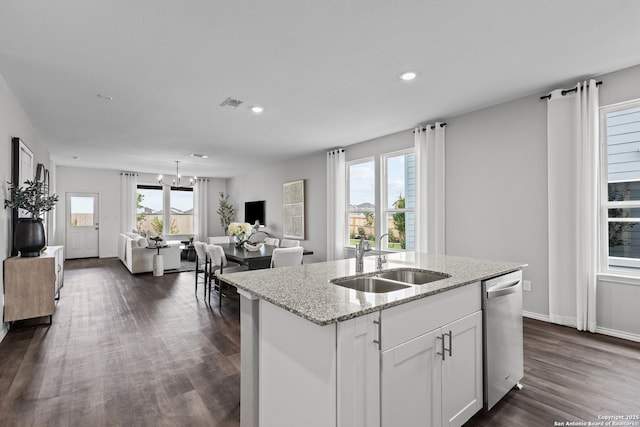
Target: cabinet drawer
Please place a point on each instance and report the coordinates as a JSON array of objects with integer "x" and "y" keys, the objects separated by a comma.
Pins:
[{"x": 407, "y": 321}]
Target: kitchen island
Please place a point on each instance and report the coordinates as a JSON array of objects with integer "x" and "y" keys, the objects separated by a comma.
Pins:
[{"x": 315, "y": 353}]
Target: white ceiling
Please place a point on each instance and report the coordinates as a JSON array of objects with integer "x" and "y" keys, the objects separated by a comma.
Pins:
[{"x": 326, "y": 71}]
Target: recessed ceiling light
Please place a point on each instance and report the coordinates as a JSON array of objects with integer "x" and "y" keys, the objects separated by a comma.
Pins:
[
  {"x": 202, "y": 156},
  {"x": 409, "y": 75},
  {"x": 257, "y": 109}
]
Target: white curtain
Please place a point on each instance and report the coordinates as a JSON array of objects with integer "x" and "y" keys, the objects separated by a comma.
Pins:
[
  {"x": 336, "y": 206},
  {"x": 572, "y": 139},
  {"x": 430, "y": 188},
  {"x": 200, "y": 207},
  {"x": 129, "y": 201}
]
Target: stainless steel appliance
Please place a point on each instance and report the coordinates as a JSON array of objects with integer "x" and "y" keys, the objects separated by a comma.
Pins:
[{"x": 502, "y": 327}]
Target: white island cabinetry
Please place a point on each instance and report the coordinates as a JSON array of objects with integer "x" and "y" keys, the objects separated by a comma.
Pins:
[
  {"x": 432, "y": 360},
  {"x": 318, "y": 354},
  {"x": 350, "y": 372}
]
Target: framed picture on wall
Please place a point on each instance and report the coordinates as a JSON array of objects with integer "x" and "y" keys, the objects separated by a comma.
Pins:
[
  {"x": 22, "y": 170},
  {"x": 293, "y": 209}
]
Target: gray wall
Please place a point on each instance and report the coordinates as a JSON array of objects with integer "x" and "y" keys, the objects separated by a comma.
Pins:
[
  {"x": 13, "y": 123},
  {"x": 497, "y": 195},
  {"x": 266, "y": 184}
]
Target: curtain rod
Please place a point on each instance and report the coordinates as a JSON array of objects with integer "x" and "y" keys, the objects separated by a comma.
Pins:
[
  {"x": 564, "y": 92},
  {"x": 432, "y": 127}
]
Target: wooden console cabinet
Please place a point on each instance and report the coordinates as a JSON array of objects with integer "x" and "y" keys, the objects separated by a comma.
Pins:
[{"x": 31, "y": 284}]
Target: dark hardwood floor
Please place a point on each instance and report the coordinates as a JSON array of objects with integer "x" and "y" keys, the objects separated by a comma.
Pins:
[
  {"x": 570, "y": 376},
  {"x": 143, "y": 351},
  {"x": 124, "y": 350}
]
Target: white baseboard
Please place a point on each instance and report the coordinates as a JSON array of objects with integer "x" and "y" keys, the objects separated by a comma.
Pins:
[
  {"x": 599, "y": 330},
  {"x": 618, "y": 334},
  {"x": 536, "y": 316},
  {"x": 3, "y": 332}
]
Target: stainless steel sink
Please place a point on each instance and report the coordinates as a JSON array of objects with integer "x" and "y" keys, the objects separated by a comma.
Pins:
[
  {"x": 370, "y": 284},
  {"x": 412, "y": 276},
  {"x": 390, "y": 280}
]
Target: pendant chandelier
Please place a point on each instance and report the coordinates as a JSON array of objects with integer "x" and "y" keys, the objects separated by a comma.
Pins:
[{"x": 177, "y": 181}]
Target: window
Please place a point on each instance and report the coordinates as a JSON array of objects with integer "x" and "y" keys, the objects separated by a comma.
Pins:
[
  {"x": 181, "y": 215},
  {"x": 361, "y": 194},
  {"x": 621, "y": 187},
  {"x": 153, "y": 214},
  {"x": 395, "y": 213},
  {"x": 400, "y": 195}
]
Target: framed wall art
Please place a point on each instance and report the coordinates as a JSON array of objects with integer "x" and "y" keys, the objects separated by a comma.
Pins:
[
  {"x": 22, "y": 169},
  {"x": 293, "y": 209}
]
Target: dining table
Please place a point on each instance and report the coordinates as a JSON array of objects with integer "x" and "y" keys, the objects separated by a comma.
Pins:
[{"x": 255, "y": 260}]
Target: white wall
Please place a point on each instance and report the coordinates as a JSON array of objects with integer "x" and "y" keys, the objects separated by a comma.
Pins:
[
  {"x": 13, "y": 123},
  {"x": 107, "y": 184},
  {"x": 266, "y": 184},
  {"x": 497, "y": 195}
]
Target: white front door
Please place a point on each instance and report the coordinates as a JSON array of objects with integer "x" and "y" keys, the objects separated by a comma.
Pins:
[{"x": 81, "y": 225}]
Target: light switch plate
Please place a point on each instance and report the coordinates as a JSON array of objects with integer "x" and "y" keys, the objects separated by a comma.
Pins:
[{"x": 526, "y": 285}]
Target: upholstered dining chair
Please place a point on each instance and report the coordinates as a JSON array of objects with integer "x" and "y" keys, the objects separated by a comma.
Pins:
[
  {"x": 216, "y": 240},
  {"x": 271, "y": 241},
  {"x": 283, "y": 257},
  {"x": 288, "y": 243},
  {"x": 202, "y": 266},
  {"x": 218, "y": 261}
]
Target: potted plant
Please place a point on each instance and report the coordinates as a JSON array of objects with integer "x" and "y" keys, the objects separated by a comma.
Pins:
[
  {"x": 226, "y": 211},
  {"x": 29, "y": 237}
]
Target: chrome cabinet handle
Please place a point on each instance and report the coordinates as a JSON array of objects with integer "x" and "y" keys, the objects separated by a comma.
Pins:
[
  {"x": 441, "y": 337},
  {"x": 450, "y": 349},
  {"x": 379, "y": 340}
]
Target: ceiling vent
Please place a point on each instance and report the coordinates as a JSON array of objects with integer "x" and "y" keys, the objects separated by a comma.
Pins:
[{"x": 231, "y": 103}]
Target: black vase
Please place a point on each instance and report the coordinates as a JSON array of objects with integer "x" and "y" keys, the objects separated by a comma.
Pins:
[{"x": 29, "y": 237}]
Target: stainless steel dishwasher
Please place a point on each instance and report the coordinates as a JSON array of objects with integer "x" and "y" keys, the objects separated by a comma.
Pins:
[{"x": 502, "y": 327}]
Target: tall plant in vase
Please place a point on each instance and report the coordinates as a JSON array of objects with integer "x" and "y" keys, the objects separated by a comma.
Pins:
[
  {"x": 226, "y": 211},
  {"x": 29, "y": 237}
]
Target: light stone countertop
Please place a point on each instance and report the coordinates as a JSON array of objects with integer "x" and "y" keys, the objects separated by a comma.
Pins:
[{"x": 306, "y": 290}]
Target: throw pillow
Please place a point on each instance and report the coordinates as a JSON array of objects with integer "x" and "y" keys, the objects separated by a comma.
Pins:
[{"x": 142, "y": 242}]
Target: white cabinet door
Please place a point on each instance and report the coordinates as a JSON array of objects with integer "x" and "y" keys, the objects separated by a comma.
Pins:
[
  {"x": 359, "y": 372},
  {"x": 462, "y": 370},
  {"x": 411, "y": 383}
]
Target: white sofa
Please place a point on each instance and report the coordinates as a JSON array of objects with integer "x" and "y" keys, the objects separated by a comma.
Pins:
[{"x": 134, "y": 254}]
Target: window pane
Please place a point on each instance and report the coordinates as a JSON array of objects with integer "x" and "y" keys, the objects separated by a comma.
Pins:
[
  {"x": 623, "y": 176},
  {"x": 624, "y": 191},
  {"x": 149, "y": 210},
  {"x": 401, "y": 181},
  {"x": 362, "y": 187},
  {"x": 624, "y": 239},
  {"x": 181, "y": 212},
  {"x": 81, "y": 211},
  {"x": 401, "y": 226},
  {"x": 362, "y": 224}
]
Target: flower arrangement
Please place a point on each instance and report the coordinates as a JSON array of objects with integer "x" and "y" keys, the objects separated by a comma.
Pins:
[{"x": 239, "y": 229}]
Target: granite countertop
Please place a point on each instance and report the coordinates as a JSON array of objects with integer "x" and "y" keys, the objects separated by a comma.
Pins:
[{"x": 306, "y": 290}]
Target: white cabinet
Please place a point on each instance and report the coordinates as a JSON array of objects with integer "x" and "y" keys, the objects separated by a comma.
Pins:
[
  {"x": 379, "y": 369},
  {"x": 431, "y": 374},
  {"x": 57, "y": 252},
  {"x": 411, "y": 382},
  {"x": 462, "y": 371},
  {"x": 358, "y": 367}
]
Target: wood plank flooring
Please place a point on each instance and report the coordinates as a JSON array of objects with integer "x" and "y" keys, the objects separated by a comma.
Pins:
[
  {"x": 124, "y": 350},
  {"x": 143, "y": 351}
]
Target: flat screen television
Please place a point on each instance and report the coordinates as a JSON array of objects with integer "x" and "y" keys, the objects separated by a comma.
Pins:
[{"x": 254, "y": 211}]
